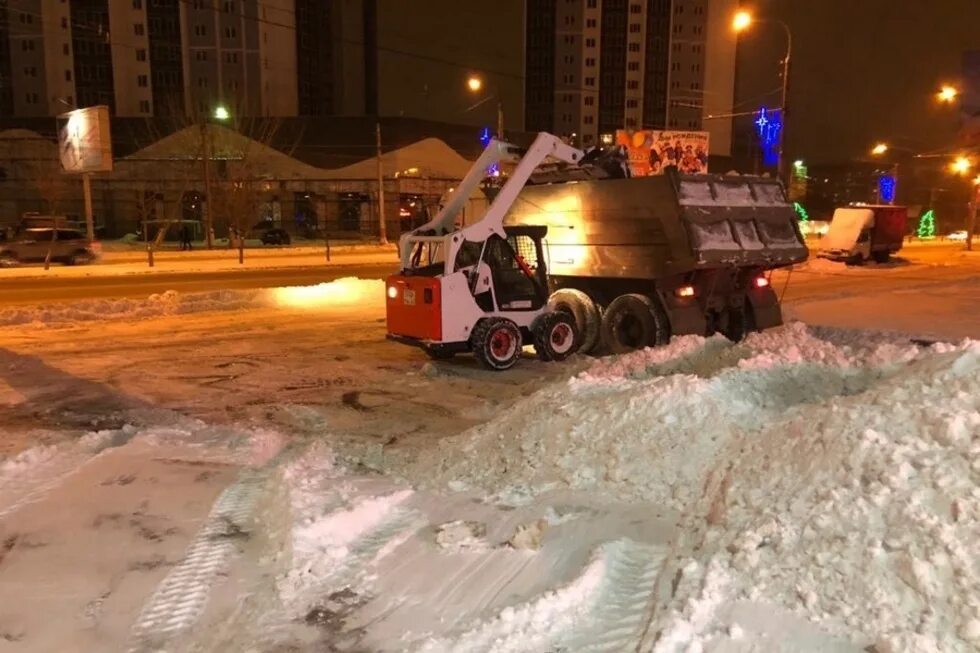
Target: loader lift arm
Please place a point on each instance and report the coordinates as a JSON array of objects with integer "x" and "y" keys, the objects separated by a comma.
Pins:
[{"x": 545, "y": 145}]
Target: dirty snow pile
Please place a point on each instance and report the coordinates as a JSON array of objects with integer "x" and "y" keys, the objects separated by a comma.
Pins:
[
  {"x": 862, "y": 514},
  {"x": 650, "y": 425},
  {"x": 838, "y": 477},
  {"x": 340, "y": 293}
]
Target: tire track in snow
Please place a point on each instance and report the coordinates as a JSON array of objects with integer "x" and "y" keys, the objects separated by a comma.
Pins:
[
  {"x": 180, "y": 599},
  {"x": 622, "y": 606},
  {"x": 30, "y": 476},
  {"x": 602, "y": 610}
]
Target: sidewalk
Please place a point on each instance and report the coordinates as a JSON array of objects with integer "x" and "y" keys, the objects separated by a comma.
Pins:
[
  {"x": 116, "y": 252},
  {"x": 205, "y": 261}
]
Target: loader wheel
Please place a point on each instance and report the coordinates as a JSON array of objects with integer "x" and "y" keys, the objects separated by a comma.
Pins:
[
  {"x": 881, "y": 257},
  {"x": 632, "y": 322},
  {"x": 496, "y": 343},
  {"x": 555, "y": 336},
  {"x": 585, "y": 312}
]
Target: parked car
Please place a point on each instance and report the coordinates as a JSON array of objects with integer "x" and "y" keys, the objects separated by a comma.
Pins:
[
  {"x": 957, "y": 235},
  {"x": 275, "y": 236},
  {"x": 67, "y": 246}
]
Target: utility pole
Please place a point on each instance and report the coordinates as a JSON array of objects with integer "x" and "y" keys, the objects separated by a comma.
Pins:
[
  {"x": 971, "y": 218},
  {"x": 781, "y": 162},
  {"x": 500, "y": 120},
  {"x": 382, "y": 227},
  {"x": 208, "y": 220},
  {"x": 87, "y": 193}
]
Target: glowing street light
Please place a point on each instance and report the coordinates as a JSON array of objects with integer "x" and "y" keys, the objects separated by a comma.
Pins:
[
  {"x": 741, "y": 21},
  {"x": 474, "y": 83},
  {"x": 221, "y": 113},
  {"x": 947, "y": 94},
  {"x": 961, "y": 165},
  {"x": 879, "y": 149}
]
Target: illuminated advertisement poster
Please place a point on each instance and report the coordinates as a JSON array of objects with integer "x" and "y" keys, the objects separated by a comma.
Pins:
[
  {"x": 84, "y": 140},
  {"x": 652, "y": 151}
]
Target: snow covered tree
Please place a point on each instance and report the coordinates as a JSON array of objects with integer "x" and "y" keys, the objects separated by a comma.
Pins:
[{"x": 927, "y": 225}]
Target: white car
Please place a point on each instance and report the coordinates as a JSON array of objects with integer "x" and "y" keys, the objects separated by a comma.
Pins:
[{"x": 957, "y": 235}]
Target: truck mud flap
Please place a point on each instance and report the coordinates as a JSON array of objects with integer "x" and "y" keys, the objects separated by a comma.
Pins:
[{"x": 766, "y": 311}]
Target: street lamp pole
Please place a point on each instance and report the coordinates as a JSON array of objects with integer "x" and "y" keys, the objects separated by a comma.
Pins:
[{"x": 780, "y": 162}]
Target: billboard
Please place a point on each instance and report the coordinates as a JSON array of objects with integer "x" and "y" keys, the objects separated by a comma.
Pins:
[
  {"x": 652, "y": 151},
  {"x": 84, "y": 142}
]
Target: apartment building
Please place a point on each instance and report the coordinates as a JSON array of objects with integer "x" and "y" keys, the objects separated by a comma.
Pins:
[
  {"x": 595, "y": 66},
  {"x": 162, "y": 57}
]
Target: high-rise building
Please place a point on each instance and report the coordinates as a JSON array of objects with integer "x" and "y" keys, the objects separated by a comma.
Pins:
[
  {"x": 595, "y": 66},
  {"x": 166, "y": 57}
]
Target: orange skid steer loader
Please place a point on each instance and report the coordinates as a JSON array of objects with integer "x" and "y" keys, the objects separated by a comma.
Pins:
[{"x": 482, "y": 288}]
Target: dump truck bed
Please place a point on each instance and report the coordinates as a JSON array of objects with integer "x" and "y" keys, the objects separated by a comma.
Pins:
[{"x": 651, "y": 227}]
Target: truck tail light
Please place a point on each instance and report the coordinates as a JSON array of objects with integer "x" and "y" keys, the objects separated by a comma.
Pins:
[
  {"x": 760, "y": 282},
  {"x": 685, "y": 291},
  {"x": 392, "y": 291}
]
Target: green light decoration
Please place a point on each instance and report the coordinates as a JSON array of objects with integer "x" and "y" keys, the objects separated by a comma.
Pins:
[
  {"x": 927, "y": 225},
  {"x": 800, "y": 211}
]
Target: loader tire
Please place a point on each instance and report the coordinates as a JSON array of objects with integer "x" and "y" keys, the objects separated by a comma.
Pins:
[
  {"x": 585, "y": 312},
  {"x": 555, "y": 336},
  {"x": 496, "y": 343},
  {"x": 633, "y": 322},
  {"x": 881, "y": 257}
]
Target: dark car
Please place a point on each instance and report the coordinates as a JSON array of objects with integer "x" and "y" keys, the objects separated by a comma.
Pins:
[
  {"x": 67, "y": 246},
  {"x": 275, "y": 236}
]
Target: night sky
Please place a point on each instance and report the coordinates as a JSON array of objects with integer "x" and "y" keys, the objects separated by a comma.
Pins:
[{"x": 863, "y": 70}]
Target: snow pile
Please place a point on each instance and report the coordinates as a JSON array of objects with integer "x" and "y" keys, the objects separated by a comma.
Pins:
[
  {"x": 340, "y": 293},
  {"x": 837, "y": 477},
  {"x": 649, "y": 425},
  {"x": 864, "y": 514}
]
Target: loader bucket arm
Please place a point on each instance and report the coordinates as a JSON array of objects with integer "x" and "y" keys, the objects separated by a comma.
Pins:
[{"x": 545, "y": 145}]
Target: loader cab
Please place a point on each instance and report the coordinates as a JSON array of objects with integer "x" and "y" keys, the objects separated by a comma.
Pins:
[{"x": 506, "y": 274}]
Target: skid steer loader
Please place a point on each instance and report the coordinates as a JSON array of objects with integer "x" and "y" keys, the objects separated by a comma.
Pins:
[{"x": 482, "y": 288}]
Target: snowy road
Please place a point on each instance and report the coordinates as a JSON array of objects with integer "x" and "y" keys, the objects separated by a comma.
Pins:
[{"x": 259, "y": 470}]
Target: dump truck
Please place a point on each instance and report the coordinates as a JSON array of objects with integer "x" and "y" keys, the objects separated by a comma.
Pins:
[
  {"x": 859, "y": 233},
  {"x": 638, "y": 260}
]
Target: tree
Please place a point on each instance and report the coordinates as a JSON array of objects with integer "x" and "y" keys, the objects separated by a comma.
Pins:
[{"x": 927, "y": 225}]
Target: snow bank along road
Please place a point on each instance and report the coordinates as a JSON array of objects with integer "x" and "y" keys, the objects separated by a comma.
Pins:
[{"x": 260, "y": 471}]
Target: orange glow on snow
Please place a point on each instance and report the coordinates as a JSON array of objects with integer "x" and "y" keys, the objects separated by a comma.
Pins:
[{"x": 342, "y": 292}]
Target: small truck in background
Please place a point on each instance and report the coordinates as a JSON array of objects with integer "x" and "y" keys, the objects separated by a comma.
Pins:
[{"x": 859, "y": 233}]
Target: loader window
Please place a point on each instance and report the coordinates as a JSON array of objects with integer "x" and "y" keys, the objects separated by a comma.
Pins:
[
  {"x": 427, "y": 259},
  {"x": 468, "y": 255},
  {"x": 513, "y": 288},
  {"x": 525, "y": 248}
]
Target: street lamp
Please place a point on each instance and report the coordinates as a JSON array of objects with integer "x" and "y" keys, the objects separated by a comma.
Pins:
[
  {"x": 475, "y": 84},
  {"x": 961, "y": 165},
  {"x": 221, "y": 113},
  {"x": 740, "y": 23},
  {"x": 947, "y": 94},
  {"x": 879, "y": 149}
]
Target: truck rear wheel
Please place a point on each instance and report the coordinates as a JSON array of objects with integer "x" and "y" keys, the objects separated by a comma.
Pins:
[
  {"x": 632, "y": 322},
  {"x": 584, "y": 311},
  {"x": 496, "y": 343}
]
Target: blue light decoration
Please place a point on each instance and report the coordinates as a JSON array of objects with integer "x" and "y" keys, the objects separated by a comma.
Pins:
[
  {"x": 485, "y": 136},
  {"x": 768, "y": 124},
  {"x": 886, "y": 188}
]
